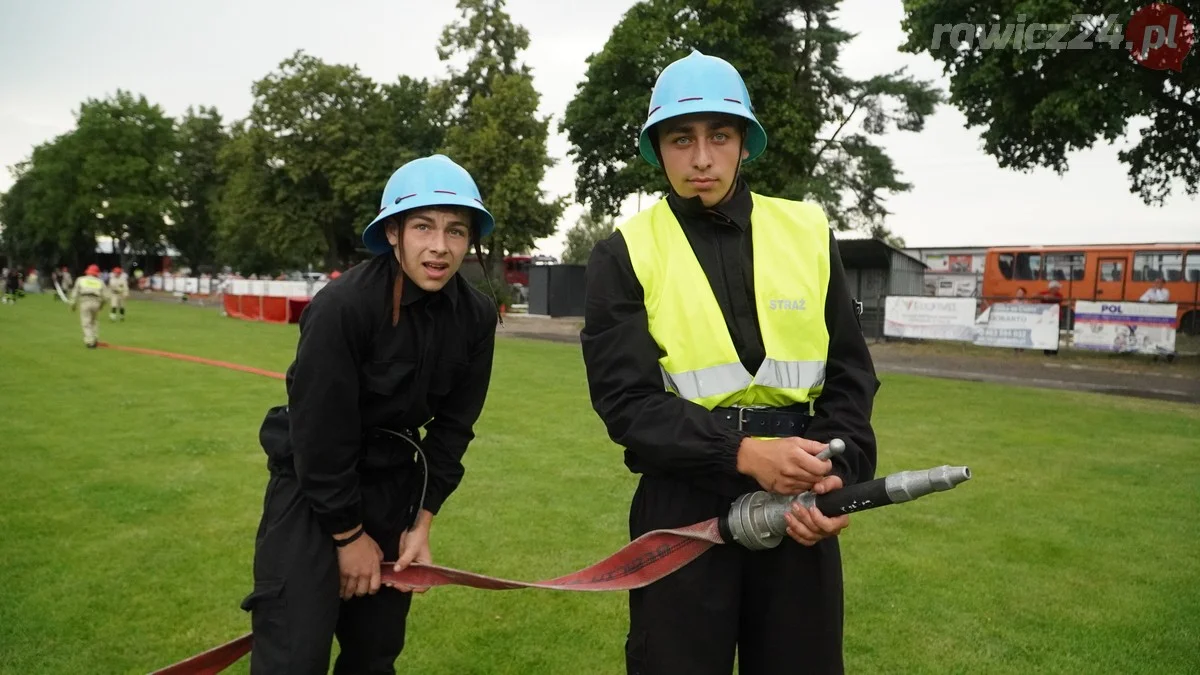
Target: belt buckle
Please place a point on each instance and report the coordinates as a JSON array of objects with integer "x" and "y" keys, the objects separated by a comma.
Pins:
[{"x": 742, "y": 414}]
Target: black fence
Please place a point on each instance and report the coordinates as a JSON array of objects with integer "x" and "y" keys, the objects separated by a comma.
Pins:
[{"x": 557, "y": 290}]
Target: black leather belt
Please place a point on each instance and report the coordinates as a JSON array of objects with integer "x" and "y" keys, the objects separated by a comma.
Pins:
[{"x": 764, "y": 421}]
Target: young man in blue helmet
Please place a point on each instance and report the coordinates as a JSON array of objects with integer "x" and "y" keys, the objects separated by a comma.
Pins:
[
  {"x": 723, "y": 352},
  {"x": 396, "y": 343}
]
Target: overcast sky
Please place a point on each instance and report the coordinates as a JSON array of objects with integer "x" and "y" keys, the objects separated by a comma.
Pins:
[{"x": 56, "y": 53}]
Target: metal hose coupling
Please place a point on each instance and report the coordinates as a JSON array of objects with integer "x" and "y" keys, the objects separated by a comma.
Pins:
[{"x": 756, "y": 520}]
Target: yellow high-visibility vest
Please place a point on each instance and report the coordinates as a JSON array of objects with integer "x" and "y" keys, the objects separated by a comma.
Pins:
[
  {"x": 791, "y": 279},
  {"x": 90, "y": 286}
]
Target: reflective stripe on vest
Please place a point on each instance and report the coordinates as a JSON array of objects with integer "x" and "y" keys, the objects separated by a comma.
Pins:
[
  {"x": 90, "y": 286},
  {"x": 715, "y": 380},
  {"x": 791, "y": 277}
]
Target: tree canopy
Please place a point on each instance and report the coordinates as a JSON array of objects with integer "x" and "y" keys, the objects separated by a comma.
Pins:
[
  {"x": 822, "y": 125},
  {"x": 293, "y": 182},
  {"x": 201, "y": 137},
  {"x": 1038, "y": 94},
  {"x": 496, "y": 133},
  {"x": 583, "y": 237}
]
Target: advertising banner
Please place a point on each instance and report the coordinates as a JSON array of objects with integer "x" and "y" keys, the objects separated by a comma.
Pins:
[
  {"x": 929, "y": 318},
  {"x": 1019, "y": 326},
  {"x": 1141, "y": 327}
]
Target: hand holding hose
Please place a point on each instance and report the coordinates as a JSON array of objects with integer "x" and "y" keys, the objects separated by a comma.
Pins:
[
  {"x": 807, "y": 526},
  {"x": 786, "y": 466}
]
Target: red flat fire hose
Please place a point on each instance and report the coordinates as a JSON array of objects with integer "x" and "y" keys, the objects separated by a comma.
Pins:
[
  {"x": 639, "y": 563},
  {"x": 196, "y": 359}
]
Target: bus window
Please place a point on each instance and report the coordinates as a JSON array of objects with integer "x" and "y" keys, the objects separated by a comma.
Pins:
[
  {"x": 1155, "y": 265},
  {"x": 1005, "y": 261},
  {"x": 1064, "y": 266},
  {"x": 1191, "y": 273},
  {"x": 1112, "y": 270},
  {"x": 1029, "y": 266}
]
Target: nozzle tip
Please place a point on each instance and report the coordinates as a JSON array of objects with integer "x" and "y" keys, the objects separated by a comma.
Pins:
[{"x": 953, "y": 475}]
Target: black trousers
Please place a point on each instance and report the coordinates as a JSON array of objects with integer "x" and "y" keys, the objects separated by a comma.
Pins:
[
  {"x": 295, "y": 608},
  {"x": 780, "y": 610}
]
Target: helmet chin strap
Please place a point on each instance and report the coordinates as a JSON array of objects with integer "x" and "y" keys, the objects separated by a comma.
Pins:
[
  {"x": 737, "y": 172},
  {"x": 487, "y": 278}
]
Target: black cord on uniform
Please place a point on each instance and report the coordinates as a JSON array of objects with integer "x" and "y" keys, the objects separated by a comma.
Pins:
[
  {"x": 424, "y": 466},
  {"x": 488, "y": 279}
]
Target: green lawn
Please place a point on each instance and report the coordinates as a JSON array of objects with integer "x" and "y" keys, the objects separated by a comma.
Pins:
[{"x": 131, "y": 486}]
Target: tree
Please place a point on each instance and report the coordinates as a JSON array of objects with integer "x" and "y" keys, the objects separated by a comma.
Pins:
[
  {"x": 127, "y": 148},
  {"x": 1037, "y": 104},
  {"x": 201, "y": 136},
  {"x": 16, "y": 240},
  {"x": 256, "y": 233},
  {"x": 584, "y": 236},
  {"x": 320, "y": 142},
  {"x": 497, "y": 135},
  {"x": 318, "y": 122},
  {"x": 44, "y": 221},
  {"x": 490, "y": 41},
  {"x": 820, "y": 123}
]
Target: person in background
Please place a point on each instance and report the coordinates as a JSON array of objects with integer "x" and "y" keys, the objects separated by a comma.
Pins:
[
  {"x": 1053, "y": 294},
  {"x": 12, "y": 284},
  {"x": 118, "y": 287},
  {"x": 89, "y": 294},
  {"x": 1156, "y": 293},
  {"x": 68, "y": 282}
]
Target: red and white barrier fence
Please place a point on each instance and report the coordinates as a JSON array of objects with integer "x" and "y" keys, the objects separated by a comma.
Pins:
[
  {"x": 189, "y": 285},
  {"x": 272, "y": 301},
  {"x": 249, "y": 299}
]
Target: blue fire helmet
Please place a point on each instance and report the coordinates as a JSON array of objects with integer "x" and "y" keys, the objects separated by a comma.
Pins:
[
  {"x": 428, "y": 181},
  {"x": 698, "y": 84}
]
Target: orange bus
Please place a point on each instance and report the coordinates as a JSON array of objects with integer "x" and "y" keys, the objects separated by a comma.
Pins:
[{"x": 1118, "y": 272}]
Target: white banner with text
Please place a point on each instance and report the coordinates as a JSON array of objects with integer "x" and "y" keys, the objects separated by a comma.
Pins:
[
  {"x": 1141, "y": 327},
  {"x": 929, "y": 318}
]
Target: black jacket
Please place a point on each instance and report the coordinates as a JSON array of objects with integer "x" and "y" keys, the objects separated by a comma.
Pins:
[
  {"x": 354, "y": 371},
  {"x": 667, "y": 435}
]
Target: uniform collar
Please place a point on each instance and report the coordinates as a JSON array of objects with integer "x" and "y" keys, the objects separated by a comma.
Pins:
[{"x": 736, "y": 210}]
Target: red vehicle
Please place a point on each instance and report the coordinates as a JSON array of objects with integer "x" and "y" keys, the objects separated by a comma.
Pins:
[
  {"x": 1108, "y": 272},
  {"x": 516, "y": 267}
]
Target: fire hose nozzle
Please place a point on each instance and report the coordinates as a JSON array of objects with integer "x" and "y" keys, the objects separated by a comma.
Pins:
[{"x": 756, "y": 520}]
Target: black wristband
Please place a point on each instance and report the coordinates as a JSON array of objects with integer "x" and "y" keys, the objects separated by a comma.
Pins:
[{"x": 342, "y": 542}]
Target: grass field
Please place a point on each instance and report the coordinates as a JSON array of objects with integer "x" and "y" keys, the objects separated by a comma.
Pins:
[{"x": 131, "y": 486}]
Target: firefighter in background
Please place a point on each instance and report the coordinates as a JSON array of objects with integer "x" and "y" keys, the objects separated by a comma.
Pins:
[
  {"x": 65, "y": 281},
  {"x": 12, "y": 285},
  {"x": 118, "y": 287},
  {"x": 89, "y": 294}
]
